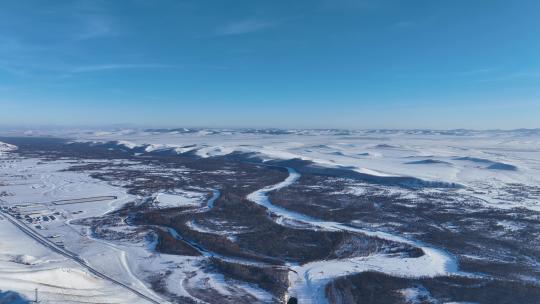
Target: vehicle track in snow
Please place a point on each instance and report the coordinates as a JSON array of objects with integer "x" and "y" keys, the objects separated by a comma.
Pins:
[{"x": 72, "y": 256}]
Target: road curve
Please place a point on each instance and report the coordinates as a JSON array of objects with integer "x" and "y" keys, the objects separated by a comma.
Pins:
[{"x": 70, "y": 255}]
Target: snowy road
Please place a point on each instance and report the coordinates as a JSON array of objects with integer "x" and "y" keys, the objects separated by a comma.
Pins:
[{"x": 40, "y": 239}]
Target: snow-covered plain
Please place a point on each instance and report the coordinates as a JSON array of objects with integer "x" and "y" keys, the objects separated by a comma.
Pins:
[
  {"x": 33, "y": 187},
  {"x": 180, "y": 198},
  {"x": 484, "y": 162},
  {"x": 37, "y": 191},
  {"x": 26, "y": 265},
  {"x": 488, "y": 164}
]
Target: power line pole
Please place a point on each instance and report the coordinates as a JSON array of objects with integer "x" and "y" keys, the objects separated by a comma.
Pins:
[{"x": 36, "y": 300}]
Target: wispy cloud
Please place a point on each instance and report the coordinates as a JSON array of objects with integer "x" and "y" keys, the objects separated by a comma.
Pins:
[
  {"x": 521, "y": 76},
  {"x": 113, "y": 67},
  {"x": 63, "y": 71},
  {"x": 245, "y": 27},
  {"x": 90, "y": 19},
  {"x": 95, "y": 26},
  {"x": 481, "y": 71},
  {"x": 348, "y": 4},
  {"x": 404, "y": 24},
  {"x": 477, "y": 73}
]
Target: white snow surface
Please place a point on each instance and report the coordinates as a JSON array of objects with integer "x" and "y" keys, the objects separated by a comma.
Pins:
[
  {"x": 4, "y": 147},
  {"x": 25, "y": 265},
  {"x": 180, "y": 198},
  {"x": 488, "y": 160},
  {"x": 417, "y": 295},
  {"x": 33, "y": 187},
  {"x": 309, "y": 280},
  {"x": 484, "y": 162}
]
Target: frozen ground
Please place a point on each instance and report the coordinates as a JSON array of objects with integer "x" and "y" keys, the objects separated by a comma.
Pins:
[
  {"x": 50, "y": 200},
  {"x": 307, "y": 282},
  {"x": 38, "y": 195},
  {"x": 484, "y": 160},
  {"x": 26, "y": 265},
  {"x": 131, "y": 213}
]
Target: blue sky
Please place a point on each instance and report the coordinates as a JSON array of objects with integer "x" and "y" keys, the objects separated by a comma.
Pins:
[{"x": 288, "y": 64}]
